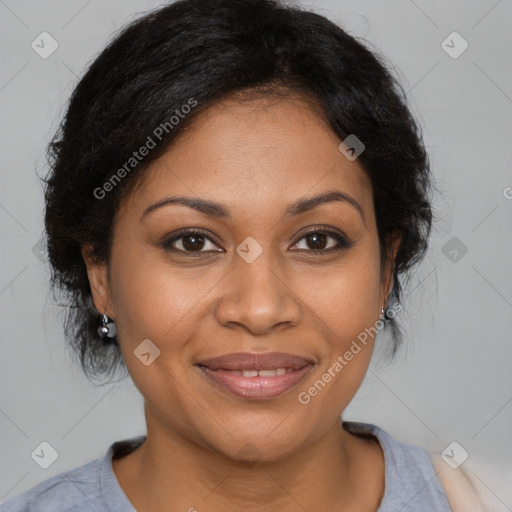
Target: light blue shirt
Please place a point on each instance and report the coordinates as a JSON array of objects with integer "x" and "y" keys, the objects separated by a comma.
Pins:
[{"x": 411, "y": 483}]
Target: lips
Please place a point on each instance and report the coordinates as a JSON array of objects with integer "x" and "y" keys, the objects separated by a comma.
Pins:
[
  {"x": 256, "y": 376},
  {"x": 256, "y": 361}
]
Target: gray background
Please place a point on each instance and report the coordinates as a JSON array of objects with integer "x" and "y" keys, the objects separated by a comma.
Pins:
[{"x": 453, "y": 383}]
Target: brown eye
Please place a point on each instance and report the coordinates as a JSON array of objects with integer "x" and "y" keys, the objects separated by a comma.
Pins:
[
  {"x": 317, "y": 241},
  {"x": 193, "y": 242},
  {"x": 189, "y": 241},
  {"x": 321, "y": 241}
]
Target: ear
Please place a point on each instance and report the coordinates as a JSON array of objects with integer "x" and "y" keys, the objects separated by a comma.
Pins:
[
  {"x": 388, "y": 270},
  {"x": 97, "y": 272}
]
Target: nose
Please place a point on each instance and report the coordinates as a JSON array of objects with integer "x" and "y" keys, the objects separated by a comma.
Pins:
[{"x": 258, "y": 297}]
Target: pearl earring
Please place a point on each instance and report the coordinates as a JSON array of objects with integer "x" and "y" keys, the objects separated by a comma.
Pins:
[{"x": 106, "y": 329}]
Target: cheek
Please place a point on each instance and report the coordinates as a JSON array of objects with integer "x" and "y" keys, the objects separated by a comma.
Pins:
[
  {"x": 150, "y": 297},
  {"x": 156, "y": 301},
  {"x": 345, "y": 304},
  {"x": 345, "y": 298}
]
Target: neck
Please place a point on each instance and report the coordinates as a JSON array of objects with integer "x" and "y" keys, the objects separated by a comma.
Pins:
[{"x": 170, "y": 470}]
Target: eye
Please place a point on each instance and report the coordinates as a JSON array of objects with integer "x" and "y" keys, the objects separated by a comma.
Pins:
[
  {"x": 190, "y": 241},
  {"x": 193, "y": 240},
  {"x": 316, "y": 241}
]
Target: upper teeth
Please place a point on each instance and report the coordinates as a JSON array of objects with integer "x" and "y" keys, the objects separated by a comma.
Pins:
[{"x": 262, "y": 373}]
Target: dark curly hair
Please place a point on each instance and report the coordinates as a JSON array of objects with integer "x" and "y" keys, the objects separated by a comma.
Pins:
[{"x": 201, "y": 51}]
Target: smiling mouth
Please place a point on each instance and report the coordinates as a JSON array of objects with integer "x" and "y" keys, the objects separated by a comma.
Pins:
[
  {"x": 256, "y": 375},
  {"x": 259, "y": 373},
  {"x": 255, "y": 384}
]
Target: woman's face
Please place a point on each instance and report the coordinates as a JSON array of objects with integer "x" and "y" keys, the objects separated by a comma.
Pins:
[{"x": 248, "y": 280}]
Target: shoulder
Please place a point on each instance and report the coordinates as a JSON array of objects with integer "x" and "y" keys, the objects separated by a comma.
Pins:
[
  {"x": 466, "y": 491},
  {"x": 90, "y": 487},
  {"x": 423, "y": 478},
  {"x": 77, "y": 489},
  {"x": 411, "y": 483}
]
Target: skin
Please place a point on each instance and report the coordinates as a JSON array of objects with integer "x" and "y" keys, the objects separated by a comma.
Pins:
[{"x": 255, "y": 157}]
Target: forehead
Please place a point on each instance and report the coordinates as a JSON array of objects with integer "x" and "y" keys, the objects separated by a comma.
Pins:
[{"x": 254, "y": 155}]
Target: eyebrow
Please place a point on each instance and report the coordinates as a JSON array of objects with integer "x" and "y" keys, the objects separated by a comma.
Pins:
[{"x": 218, "y": 210}]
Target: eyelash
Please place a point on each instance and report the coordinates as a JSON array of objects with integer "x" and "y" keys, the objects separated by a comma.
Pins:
[{"x": 343, "y": 242}]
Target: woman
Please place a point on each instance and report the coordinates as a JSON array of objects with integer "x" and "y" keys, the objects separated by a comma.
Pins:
[{"x": 237, "y": 193}]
